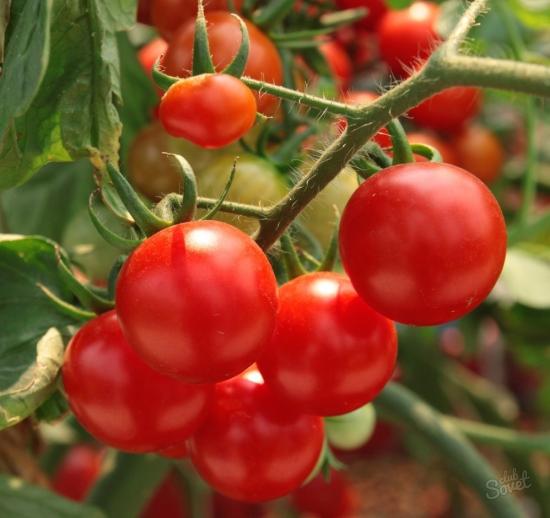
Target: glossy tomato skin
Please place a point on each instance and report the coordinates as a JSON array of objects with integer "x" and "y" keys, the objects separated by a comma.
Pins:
[
  {"x": 224, "y": 37},
  {"x": 339, "y": 63},
  {"x": 169, "y": 15},
  {"x": 209, "y": 110},
  {"x": 449, "y": 110},
  {"x": 408, "y": 36},
  {"x": 178, "y": 451},
  {"x": 330, "y": 352},
  {"x": 480, "y": 152},
  {"x": 423, "y": 243},
  {"x": 335, "y": 498},
  {"x": 78, "y": 472},
  {"x": 197, "y": 301},
  {"x": 119, "y": 399},
  {"x": 254, "y": 447},
  {"x": 376, "y": 10}
]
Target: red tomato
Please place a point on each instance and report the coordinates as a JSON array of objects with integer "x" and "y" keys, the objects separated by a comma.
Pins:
[
  {"x": 144, "y": 12},
  {"x": 169, "y": 501},
  {"x": 223, "y": 507},
  {"x": 423, "y": 243},
  {"x": 480, "y": 152},
  {"x": 169, "y": 15},
  {"x": 119, "y": 399},
  {"x": 254, "y": 447},
  {"x": 336, "y": 498},
  {"x": 77, "y": 472},
  {"x": 197, "y": 301},
  {"x": 448, "y": 154},
  {"x": 448, "y": 110},
  {"x": 408, "y": 36},
  {"x": 376, "y": 9},
  {"x": 150, "y": 52},
  {"x": 382, "y": 138},
  {"x": 330, "y": 353},
  {"x": 339, "y": 63},
  {"x": 179, "y": 451},
  {"x": 210, "y": 110},
  {"x": 224, "y": 36}
]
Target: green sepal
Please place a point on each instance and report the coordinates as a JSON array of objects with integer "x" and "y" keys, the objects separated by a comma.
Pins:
[
  {"x": 294, "y": 266},
  {"x": 272, "y": 13},
  {"x": 429, "y": 152},
  {"x": 162, "y": 80},
  {"x": 214, "y": 210},
  {"x": 402, "y": 153},
  {"x": 202, "y": 60},
  {"x": 237, "y": 66}
]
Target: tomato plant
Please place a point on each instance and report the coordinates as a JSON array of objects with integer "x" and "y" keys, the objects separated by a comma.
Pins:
[
  {"x": 224, "y": 37},
  {"x": 106, "y": 382},
  {"x": 176, "y": 294},
  {"x": 186, "y": 110},
  {"x": 253, "y": 447},
  {"x": 408, "y": 274},
  {"x": 330, "y": 353}
]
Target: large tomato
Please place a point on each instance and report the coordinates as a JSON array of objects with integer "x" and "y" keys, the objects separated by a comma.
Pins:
[
  {"x": 408, "y": 36},
  {"x": 423, "y": 243},
  {"x": 152, "y": 173},
  {"x": 376, "y": 10},
  {"x": 254, "y": 447},
  {"x": 169, "y": 15},
  {"x": 330, "y": 352},
  {"x": 197, "y": 301},
  {"x": 122, "y": 401},
  {"x": 256, "y": 181},
  {"x": 78, "y": 472},
  {"x": 319, "y": 217},
  {"x": 209, "y": 110},
  {"x": 150, "y": 52},
  {"x": 448, "y": 110},
  {"x": 480, "y": 152},
  {"x": 224, "y": 36}
]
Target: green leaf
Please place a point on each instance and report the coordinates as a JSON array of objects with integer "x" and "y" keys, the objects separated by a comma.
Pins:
[
  {"x": 74, "y": 112},
  {"x": 4, "y": 19},
  {"x": 31, "y": 341},
  {"x": 525, "y": 279},
  {"x": 47, "y": 203},
  {"x": 534, "y": 13},
  {"x": 21, "y": 500}
]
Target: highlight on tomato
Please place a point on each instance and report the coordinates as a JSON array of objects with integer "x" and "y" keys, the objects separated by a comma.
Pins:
[
  {"x": 330, "y": 352},
  {"x": 424, "y": 243},
  {"x": 197, "y": 301},
  {"x": 119, "y": 399}
]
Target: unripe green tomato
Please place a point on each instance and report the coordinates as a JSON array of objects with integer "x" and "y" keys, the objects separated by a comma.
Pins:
[
  {"x": 88, "y": 249},
  {"x": 319, "y": 217},
  {"x": 350, "y": 431},
  {"x": 256, "y": 182}
]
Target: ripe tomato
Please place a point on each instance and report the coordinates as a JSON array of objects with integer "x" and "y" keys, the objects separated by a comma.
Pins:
[
  {"x": 119, "y": 399},
  {"x": 169, "y": 15},
  {"x": 335, "y": 498},
  {"x": 376, "y": 10},
  {"x": 339, "y": 63},
  {"x": 254, "y": 447},
  {"x": 423, "y": 243},
  {"x": 319, "y": 217},
  {"x": 448, "y": 110},
  {"x": 179, "y": 451},
  {"x": 150, "y": 52},
  {"x": 224, "y": 36},
  {"x": 78, "y": 472},
  {"x": 152, "y": 173},
  {"x": 169, "y": 500},
  {"x": 223, "y": 507},
  {"x": 448, "y": 154},
  {"x": 256, "y": 182},
  {"x": 197, "y": 301},
  {"x": 358, "y": 97},
  {"x": 330, "y": 353},
  {"x": 408, "y": 36},
  {"x": 480, "y": 152},
  {"x": 210, "y": 110},
  {"x": 144, "y": 12}
]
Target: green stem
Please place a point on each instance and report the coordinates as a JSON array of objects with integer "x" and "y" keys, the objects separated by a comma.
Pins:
[
  {"x": 242, "y": 209},
  {"x": 402, "y": 404},
  {"x": 502, "y": 437}
]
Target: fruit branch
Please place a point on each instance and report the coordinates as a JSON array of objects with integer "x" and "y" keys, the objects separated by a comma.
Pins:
[{"x": 400, "y": 403}]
